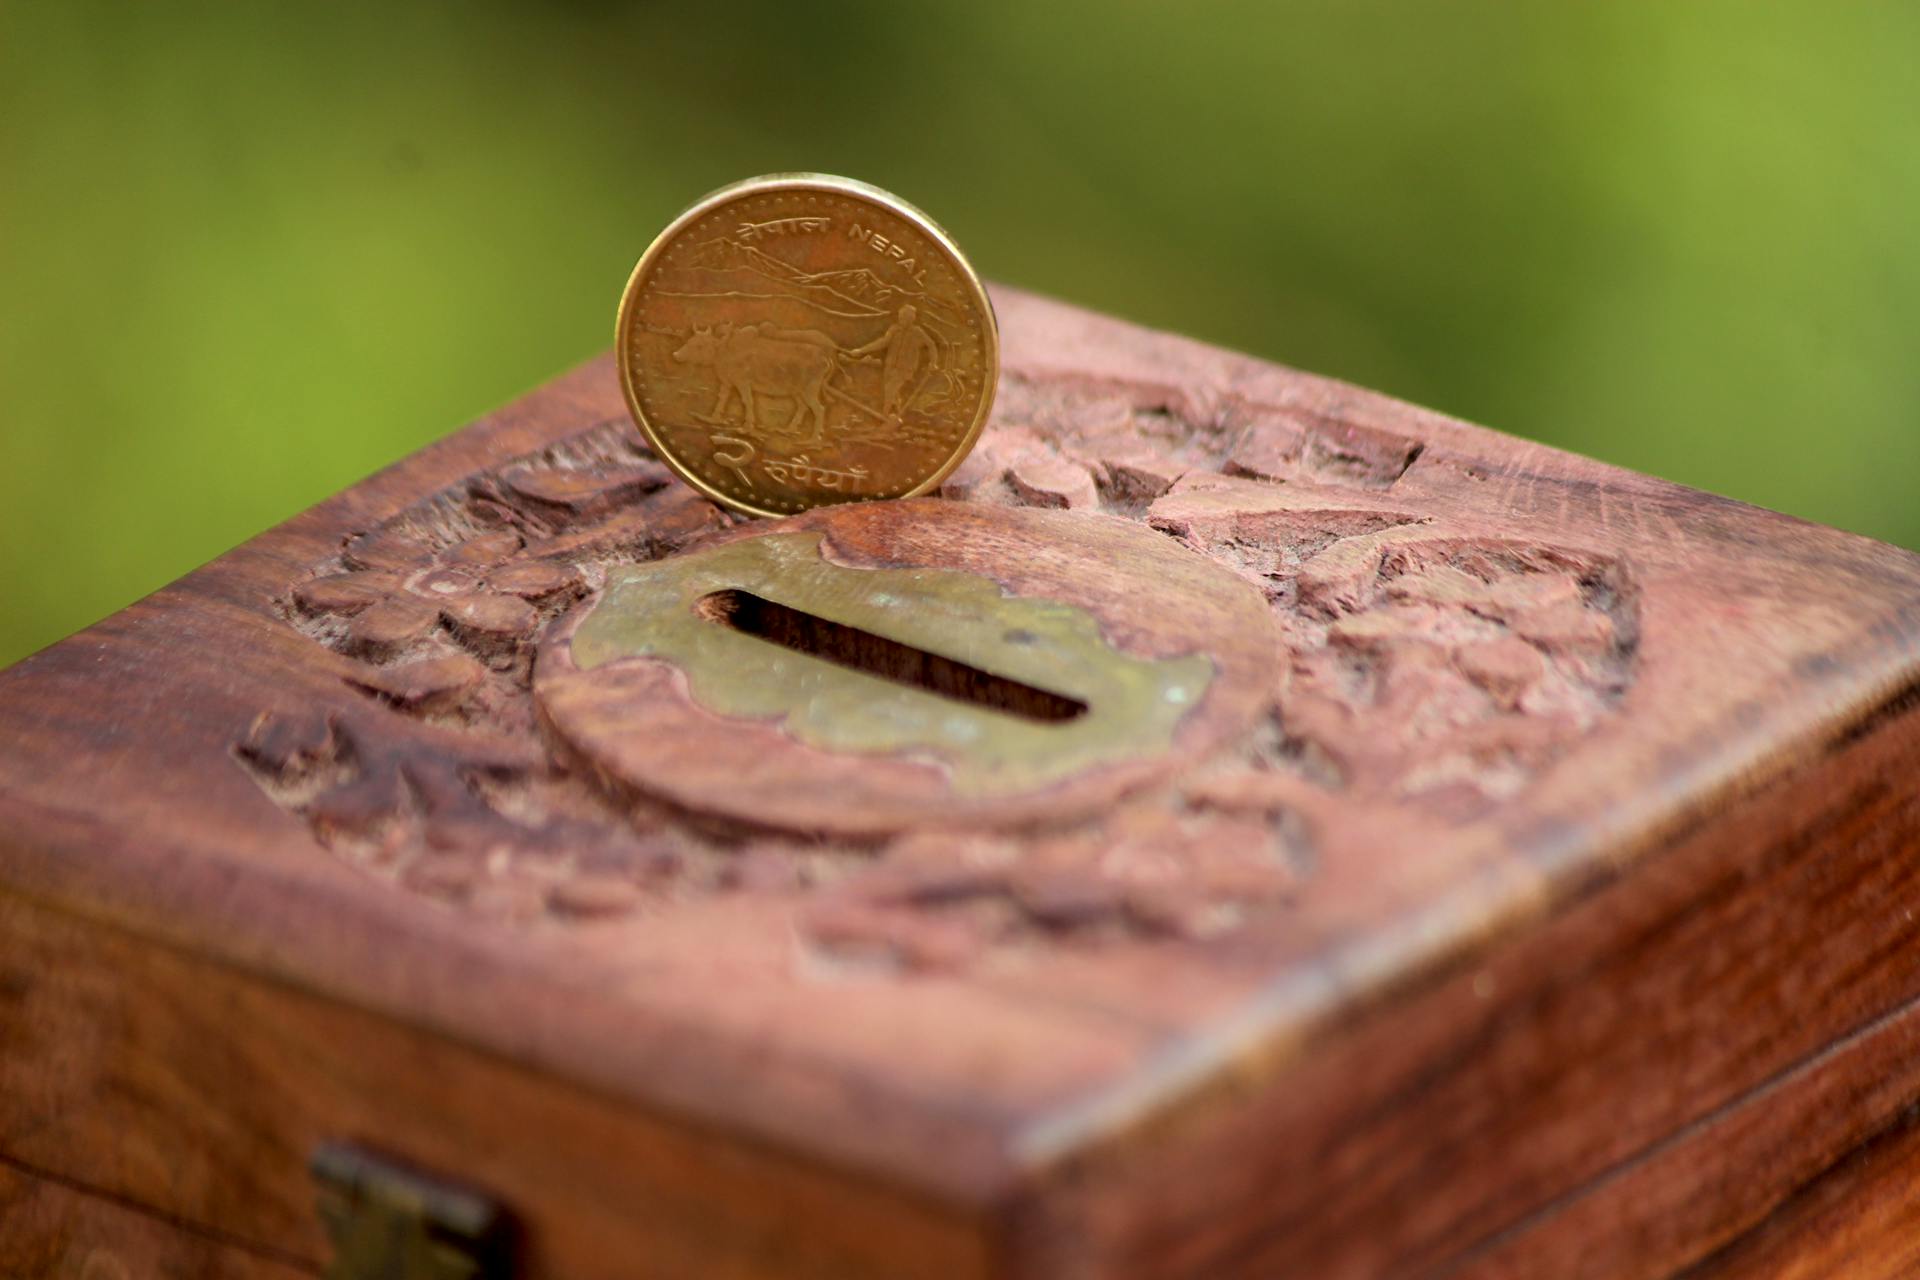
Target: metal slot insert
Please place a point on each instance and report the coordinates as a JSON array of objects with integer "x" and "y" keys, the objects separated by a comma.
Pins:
[{"x": 876, "y": 655}]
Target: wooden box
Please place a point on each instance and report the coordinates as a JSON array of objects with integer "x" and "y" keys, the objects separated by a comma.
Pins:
[{"x": 1509, "y": 869}]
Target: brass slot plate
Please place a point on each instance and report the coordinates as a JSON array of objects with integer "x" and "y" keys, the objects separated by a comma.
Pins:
[{"x": 1132, "y": 704}]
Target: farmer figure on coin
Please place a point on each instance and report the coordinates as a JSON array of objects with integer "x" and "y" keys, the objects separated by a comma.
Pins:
[{"x": 907, "y": 345}]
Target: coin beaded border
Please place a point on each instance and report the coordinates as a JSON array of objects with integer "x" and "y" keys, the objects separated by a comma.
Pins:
[{"x": 773, "y": 190}]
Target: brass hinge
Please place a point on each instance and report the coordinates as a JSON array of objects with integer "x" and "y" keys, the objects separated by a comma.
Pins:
[{"x": 388, "y": 1222}]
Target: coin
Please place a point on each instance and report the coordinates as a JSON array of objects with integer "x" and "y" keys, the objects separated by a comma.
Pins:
[{"x": 800, "y": 339}]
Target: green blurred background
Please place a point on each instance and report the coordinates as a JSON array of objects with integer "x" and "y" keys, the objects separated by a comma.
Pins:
[{"x": 249, "y": 252}]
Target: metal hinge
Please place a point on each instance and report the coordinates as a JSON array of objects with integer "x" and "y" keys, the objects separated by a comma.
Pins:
[{"x": 388, "y": 1222}]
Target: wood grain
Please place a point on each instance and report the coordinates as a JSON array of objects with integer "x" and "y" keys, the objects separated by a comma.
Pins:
[
  {"x": 166, "y": 1081},
  {"x": 51, "y": 1231},
  {"x": 1643, "y": 1076},
  {"x": 1560, "y": 873},
  {"x": 1859, "y": 1219}
]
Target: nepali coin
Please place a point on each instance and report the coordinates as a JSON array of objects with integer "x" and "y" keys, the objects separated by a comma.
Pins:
[{"x": 799, "y": 339}]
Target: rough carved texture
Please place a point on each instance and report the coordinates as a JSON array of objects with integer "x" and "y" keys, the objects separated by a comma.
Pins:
[
  {"x": 1422, "y": 662},
  {"x": 1428, "y": 664}
]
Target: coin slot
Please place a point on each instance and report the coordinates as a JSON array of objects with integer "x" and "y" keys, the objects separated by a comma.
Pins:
[{"x": 885, "y": 659}]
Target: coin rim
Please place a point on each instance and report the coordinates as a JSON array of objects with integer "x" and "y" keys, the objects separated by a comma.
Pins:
[{"x": 623, "y": 322}]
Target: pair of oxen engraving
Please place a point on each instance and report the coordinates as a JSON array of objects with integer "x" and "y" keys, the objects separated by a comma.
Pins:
[{"x": 765, "y": 361}]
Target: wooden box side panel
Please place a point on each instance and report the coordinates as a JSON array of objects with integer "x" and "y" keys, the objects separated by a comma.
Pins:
[
  {"x": 50, "y": 1231},
  {"x": 197, "y": 1093},
  {"x": 1860, "y": 1219},
  {"x": 1616, "y": 1095}
]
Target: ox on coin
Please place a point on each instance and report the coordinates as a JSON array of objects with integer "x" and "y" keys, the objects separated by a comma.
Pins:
[{"x": 797, "y": 340}]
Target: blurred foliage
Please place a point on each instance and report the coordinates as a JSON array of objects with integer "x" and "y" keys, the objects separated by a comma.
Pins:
[{"x": 250, "y": 252}]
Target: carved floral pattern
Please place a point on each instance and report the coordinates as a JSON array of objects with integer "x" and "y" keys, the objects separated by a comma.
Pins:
[{"x": 1426, "y": 665}]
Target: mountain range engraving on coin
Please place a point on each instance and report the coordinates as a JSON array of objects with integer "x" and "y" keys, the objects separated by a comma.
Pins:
[{"x": 799, "y": 340}]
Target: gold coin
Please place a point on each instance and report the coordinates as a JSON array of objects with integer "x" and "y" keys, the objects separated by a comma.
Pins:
[{"x": 799, "y": 339}]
